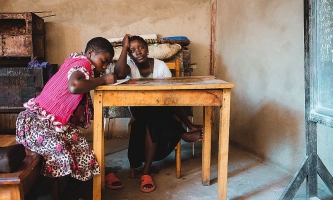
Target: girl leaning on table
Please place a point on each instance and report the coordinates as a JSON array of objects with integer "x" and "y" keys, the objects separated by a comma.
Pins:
[
  {"x": 49, "y": 125},
  {"x": 155, "y": 132}
]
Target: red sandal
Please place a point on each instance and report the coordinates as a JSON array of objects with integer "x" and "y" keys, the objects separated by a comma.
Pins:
[
  {"x": 145, "y": 181},
  {"x": 112, "y": 182}
]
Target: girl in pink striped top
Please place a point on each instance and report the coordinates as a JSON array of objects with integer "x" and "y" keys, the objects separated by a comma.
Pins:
[{"x": 49, "y": 125}]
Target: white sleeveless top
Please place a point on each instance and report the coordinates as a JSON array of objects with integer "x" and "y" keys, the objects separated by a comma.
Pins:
[{"x": 161, "y": 70}]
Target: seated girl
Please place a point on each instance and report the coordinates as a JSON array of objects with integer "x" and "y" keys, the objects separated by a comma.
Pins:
[{"x": 155, "y": 132}]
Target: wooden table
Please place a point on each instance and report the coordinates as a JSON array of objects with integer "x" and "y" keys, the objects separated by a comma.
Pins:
[{"x": 206, "y": 91}]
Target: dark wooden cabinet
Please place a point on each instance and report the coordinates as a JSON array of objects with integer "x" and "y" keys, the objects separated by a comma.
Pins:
[{"x": 22, "y": 37}]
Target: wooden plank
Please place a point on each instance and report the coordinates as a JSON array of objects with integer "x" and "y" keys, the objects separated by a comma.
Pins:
[
  {"x": 6, "y": 140},
  {"x": 223, "y": 145},
  {"x": 178, "y": 159},
  {"x": 212, "y": 46},
  {"x": 177, "y": 68},
  {"x": 206, "y": 145},
  {"x": 10, "y": 192},
  {"x": 98, "y": 144},
  {"x": 179, "y": 83},
  {"x": 165, "y": 98}
]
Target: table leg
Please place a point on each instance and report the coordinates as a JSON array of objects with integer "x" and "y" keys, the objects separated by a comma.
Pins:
[
  {"x": 206, "y": 145},
  {"x": 98, "y": 144},
  {"x": 223, "y": 145}
]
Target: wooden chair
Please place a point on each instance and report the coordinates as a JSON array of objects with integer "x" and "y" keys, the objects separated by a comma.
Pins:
[{"x": 175, "y": 66}]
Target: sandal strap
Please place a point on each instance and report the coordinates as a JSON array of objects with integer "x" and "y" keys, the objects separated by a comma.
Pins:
[{"x": 147, "y": 180}]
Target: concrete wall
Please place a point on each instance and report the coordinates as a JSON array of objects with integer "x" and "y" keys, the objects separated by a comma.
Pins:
[{"x": 259, "y": 47}]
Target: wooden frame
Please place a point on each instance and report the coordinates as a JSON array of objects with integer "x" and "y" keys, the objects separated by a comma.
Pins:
[{"x": 311, "y": 165}]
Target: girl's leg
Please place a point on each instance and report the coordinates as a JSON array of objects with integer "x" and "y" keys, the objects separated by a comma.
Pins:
[
  {"x": 42, "y": 184},
  {"x": 150, "y": 149},
  {"x": 132, "y": 172},
  {"x": 70, "y": 189},
  {"x": 136, "y": 146},
  {"x": 192, "y": 136}
]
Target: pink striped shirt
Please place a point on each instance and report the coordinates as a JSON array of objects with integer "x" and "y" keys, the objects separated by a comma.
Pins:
[{"x": 55, "y": 98}]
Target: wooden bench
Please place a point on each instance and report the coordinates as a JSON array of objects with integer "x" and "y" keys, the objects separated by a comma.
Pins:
[{"x": 15, "y": 185}]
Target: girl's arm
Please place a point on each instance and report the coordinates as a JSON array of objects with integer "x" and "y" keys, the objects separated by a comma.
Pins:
[
  {"x": 122, "y": 69},
  {"x": 78, "y": 84}
]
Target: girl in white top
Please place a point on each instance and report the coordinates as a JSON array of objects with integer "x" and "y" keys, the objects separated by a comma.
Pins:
[
  {"x": 155, "y": 132},
  {"x": 159, "y": 70}
]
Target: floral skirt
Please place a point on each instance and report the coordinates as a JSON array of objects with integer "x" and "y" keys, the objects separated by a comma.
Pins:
[{"x": 64, "y": 153}]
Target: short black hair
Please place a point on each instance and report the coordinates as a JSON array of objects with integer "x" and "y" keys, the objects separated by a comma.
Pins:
[
  {"x": 136, "y": 37},
  {"x": 100, "y": 45}
]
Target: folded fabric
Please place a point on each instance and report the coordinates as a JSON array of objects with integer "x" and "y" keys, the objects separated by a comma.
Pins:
[
  {"x": 11, "y": 157},
  {"x": 158, "y": 51},
  {"x": 144, "y": 36}
]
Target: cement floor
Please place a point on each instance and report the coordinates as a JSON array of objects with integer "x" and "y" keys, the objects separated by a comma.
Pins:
[{"x": 248, "y": 177}]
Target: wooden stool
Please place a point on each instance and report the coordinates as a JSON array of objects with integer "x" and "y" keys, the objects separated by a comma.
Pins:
[{"x": 15, "y": 185}]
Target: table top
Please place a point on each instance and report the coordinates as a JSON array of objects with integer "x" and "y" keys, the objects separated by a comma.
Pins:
[{"x": 188, "y": 82}]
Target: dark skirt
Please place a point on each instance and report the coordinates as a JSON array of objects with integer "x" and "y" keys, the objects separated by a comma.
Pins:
[{"x": 163, "y": 128}]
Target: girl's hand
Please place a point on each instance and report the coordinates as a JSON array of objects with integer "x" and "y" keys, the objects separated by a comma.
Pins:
[
  {"x": 125, "y": 42},
  {"x": 122, "y": 69},
  {"x": 109, "y": 78}
]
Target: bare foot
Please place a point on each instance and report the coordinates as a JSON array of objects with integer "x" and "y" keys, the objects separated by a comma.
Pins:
[
  {"x": 194, "y": 127},
  {"x": 193, "y": 136}
]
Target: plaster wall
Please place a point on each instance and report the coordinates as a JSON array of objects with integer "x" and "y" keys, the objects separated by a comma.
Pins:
[{"x": 260, "y": 48}]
